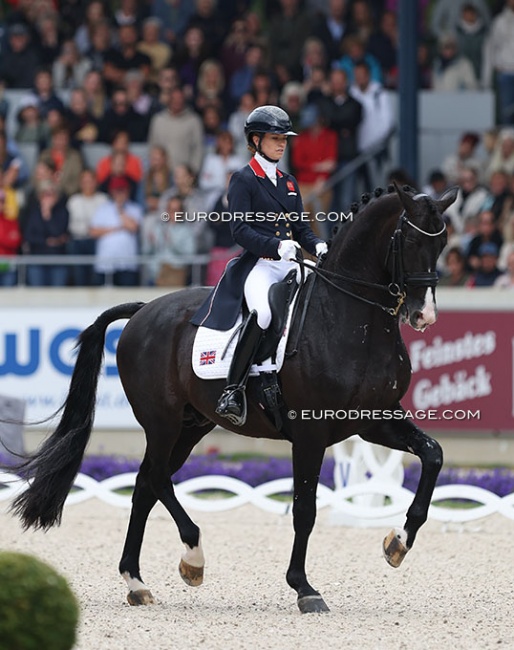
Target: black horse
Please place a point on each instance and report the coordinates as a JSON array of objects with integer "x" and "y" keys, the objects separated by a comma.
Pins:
[{"x": 380, "y": 268}]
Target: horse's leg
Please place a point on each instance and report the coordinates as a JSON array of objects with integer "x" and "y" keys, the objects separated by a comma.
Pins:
[
  {"x": 306, "y": 468},
  {"x": 406, "y": 436},
  {"x": 143, "y": 500}
]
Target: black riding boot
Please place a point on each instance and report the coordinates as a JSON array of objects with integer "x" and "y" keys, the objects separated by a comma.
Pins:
[{"x": 232, "y": 403}]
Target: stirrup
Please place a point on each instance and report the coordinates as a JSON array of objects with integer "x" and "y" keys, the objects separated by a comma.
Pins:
[{"x": 232, "y": 405}]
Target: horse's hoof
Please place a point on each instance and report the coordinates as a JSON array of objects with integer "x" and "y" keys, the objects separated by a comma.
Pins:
[
  {"x": 191, "y": 575},
  {"x": 312, "y": 605},
  {"x": 140, "y": 597},
  {"x": 394, "y": 547}
]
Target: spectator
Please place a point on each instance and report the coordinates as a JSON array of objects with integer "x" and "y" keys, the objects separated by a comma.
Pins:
[
  {"x": 470, "y": 199},
  {"x": 31, "y": 128},
  {"x": 471, "y": 31},
  {"x": 49, "y": 37},
  {"x": 10, "y": 164},
  {"x": 168, "y": 80},
  {"x": 120, "y": 116},
  {"x": 263, "y": 89},
  {"x": 223, "y": 246},
  {"x": 500, "y": 200},
  {"x": 454, "y": 164},
  {"x": 68, "y": 161},
  {"x": 212, "y": 125},
  {"x": 488, "y": 272},
  {"x": 355, "y": 52},
  {"x": 499, "y": 62},
  {"x": 235, "y": 46},
  {"x": 169, "y": 242},
  {"x": 44, "y": 171},
  {"x": 217, "y": 167},
  {"x": 436, "y": 185},
  {"x": 180, "y": 131},
  {"x": 242, "y": 79},
  {"x": 292, "y": 100},
  {"x": 153, "y": 47},
  {"x": 487, "y": 233},
  {"x": 10, "y": 236},
  {"x": 45, "y": 232},
  {"x": 314, "y": 56},
  {"x": 119, "y": 60},
  {"x": 456, "y": 275},
  {"x": 45, "y": 93},
  {"x": 157, "y": 179},
  {"x": 20, "y": 58},
  {"x": 81, "y": 208},
  {"x": 377, "y": 118},
  {"x": 314, "y": 158},
  {"x": 95, "y": 94},
  {"x": 141, "y": 102},
  {"x": 188, "y": 58},
  {"x": 342, "y": 113},
  {"x": 118, "y": 166},
  {"x": 447, "y": 13},
  {"x": 85, "y": 34},
  {"x": 236, "y": 123},
  {"x": 100, "y": 48},
  {"x": 83, "y": 126},
  {"x": 210, "y": 22},
  {"x": 451, "y": 70},
  {"x": 506, "y": 280},
  {"x": 133, "y": 168},
  {"x": 129, "y": 12},
  {"x": 502, "y": 157},
  {"x": 361, "y": 21},
  {"x": 330, "y": 27},
  {"x": 174, "y": 16},
  {"x": 70, "y": 69},
  {"x": 383, "y": 45},
  {"x": 210, "y": 88},
  {"x": 316, "y": 87},
  {"x": 288, "y": 31},
  {"x": 115, "y": 226}
]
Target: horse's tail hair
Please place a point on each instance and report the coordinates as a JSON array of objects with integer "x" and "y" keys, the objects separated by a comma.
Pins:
[{"x": 53, "y": 468}]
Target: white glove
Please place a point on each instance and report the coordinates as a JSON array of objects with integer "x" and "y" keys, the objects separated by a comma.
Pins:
[
  {"x": 321, "y": 249},
  {"x": 287, "y": 250}
]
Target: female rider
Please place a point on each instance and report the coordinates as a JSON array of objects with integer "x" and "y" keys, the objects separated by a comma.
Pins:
[{"x": 269, "y": 223}]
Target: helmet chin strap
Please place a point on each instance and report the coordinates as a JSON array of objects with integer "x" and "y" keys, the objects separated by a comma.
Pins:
[{"x": 260, "y": 151}]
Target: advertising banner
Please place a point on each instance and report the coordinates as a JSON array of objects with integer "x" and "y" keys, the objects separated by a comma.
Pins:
[
  {"x": 463, "y": 370},
  {"x": 37, "y": 358}
]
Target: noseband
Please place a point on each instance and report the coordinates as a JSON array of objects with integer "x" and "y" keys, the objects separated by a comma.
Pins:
[{"x": 400, "y": 279}]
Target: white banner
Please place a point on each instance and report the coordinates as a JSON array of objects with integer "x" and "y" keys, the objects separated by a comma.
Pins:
[{"x": 37, "y": 358}]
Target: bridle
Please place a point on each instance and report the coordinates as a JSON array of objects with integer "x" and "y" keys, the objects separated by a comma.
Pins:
[{"x": 400, "y": 279}]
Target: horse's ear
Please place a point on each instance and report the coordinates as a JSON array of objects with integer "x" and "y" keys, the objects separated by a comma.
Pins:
[
  {"x": 447, "y": 199},
  {"x": 407, "y": 201}
]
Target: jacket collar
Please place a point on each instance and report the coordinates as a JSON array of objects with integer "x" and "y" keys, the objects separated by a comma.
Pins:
[{"x": 258, "y": 170}]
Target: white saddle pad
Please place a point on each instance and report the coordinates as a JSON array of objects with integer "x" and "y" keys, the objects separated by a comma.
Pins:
[{"x": 211, "y": 357}]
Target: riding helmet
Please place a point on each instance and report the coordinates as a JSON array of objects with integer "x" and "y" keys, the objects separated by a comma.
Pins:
[{"x": 268, "y": 119}]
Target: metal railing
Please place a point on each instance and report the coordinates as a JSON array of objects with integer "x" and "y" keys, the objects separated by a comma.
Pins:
[{"x": 21, "y": 262}]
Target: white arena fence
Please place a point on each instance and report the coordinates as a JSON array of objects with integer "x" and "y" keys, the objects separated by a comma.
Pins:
[{"x": 375, "y": 501}]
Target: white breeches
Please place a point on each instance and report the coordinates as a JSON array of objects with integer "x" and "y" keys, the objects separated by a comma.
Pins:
[{"x": 259, "y": 280}]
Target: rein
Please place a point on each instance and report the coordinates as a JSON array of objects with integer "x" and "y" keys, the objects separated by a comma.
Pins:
[{"x": 400, "y": 279}]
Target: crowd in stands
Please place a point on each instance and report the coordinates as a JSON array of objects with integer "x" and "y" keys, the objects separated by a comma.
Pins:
[{"x": 177, "y": 79}]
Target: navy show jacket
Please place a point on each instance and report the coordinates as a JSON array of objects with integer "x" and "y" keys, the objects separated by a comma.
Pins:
[{"x": 262, "y": 215}]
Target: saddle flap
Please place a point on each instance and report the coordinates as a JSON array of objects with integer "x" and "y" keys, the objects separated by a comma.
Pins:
[{"x": 280, "y": 296}]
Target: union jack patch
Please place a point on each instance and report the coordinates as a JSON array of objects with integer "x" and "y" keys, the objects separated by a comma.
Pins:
[
  {"x": 208, "y": 358},
  {"x": 290, "y": 186}
]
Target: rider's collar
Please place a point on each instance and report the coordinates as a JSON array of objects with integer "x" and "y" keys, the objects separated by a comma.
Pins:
[{"x": 268, "y": 167}]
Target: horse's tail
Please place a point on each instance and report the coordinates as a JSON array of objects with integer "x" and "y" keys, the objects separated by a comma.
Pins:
[{"x": 55, "y": 465}]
